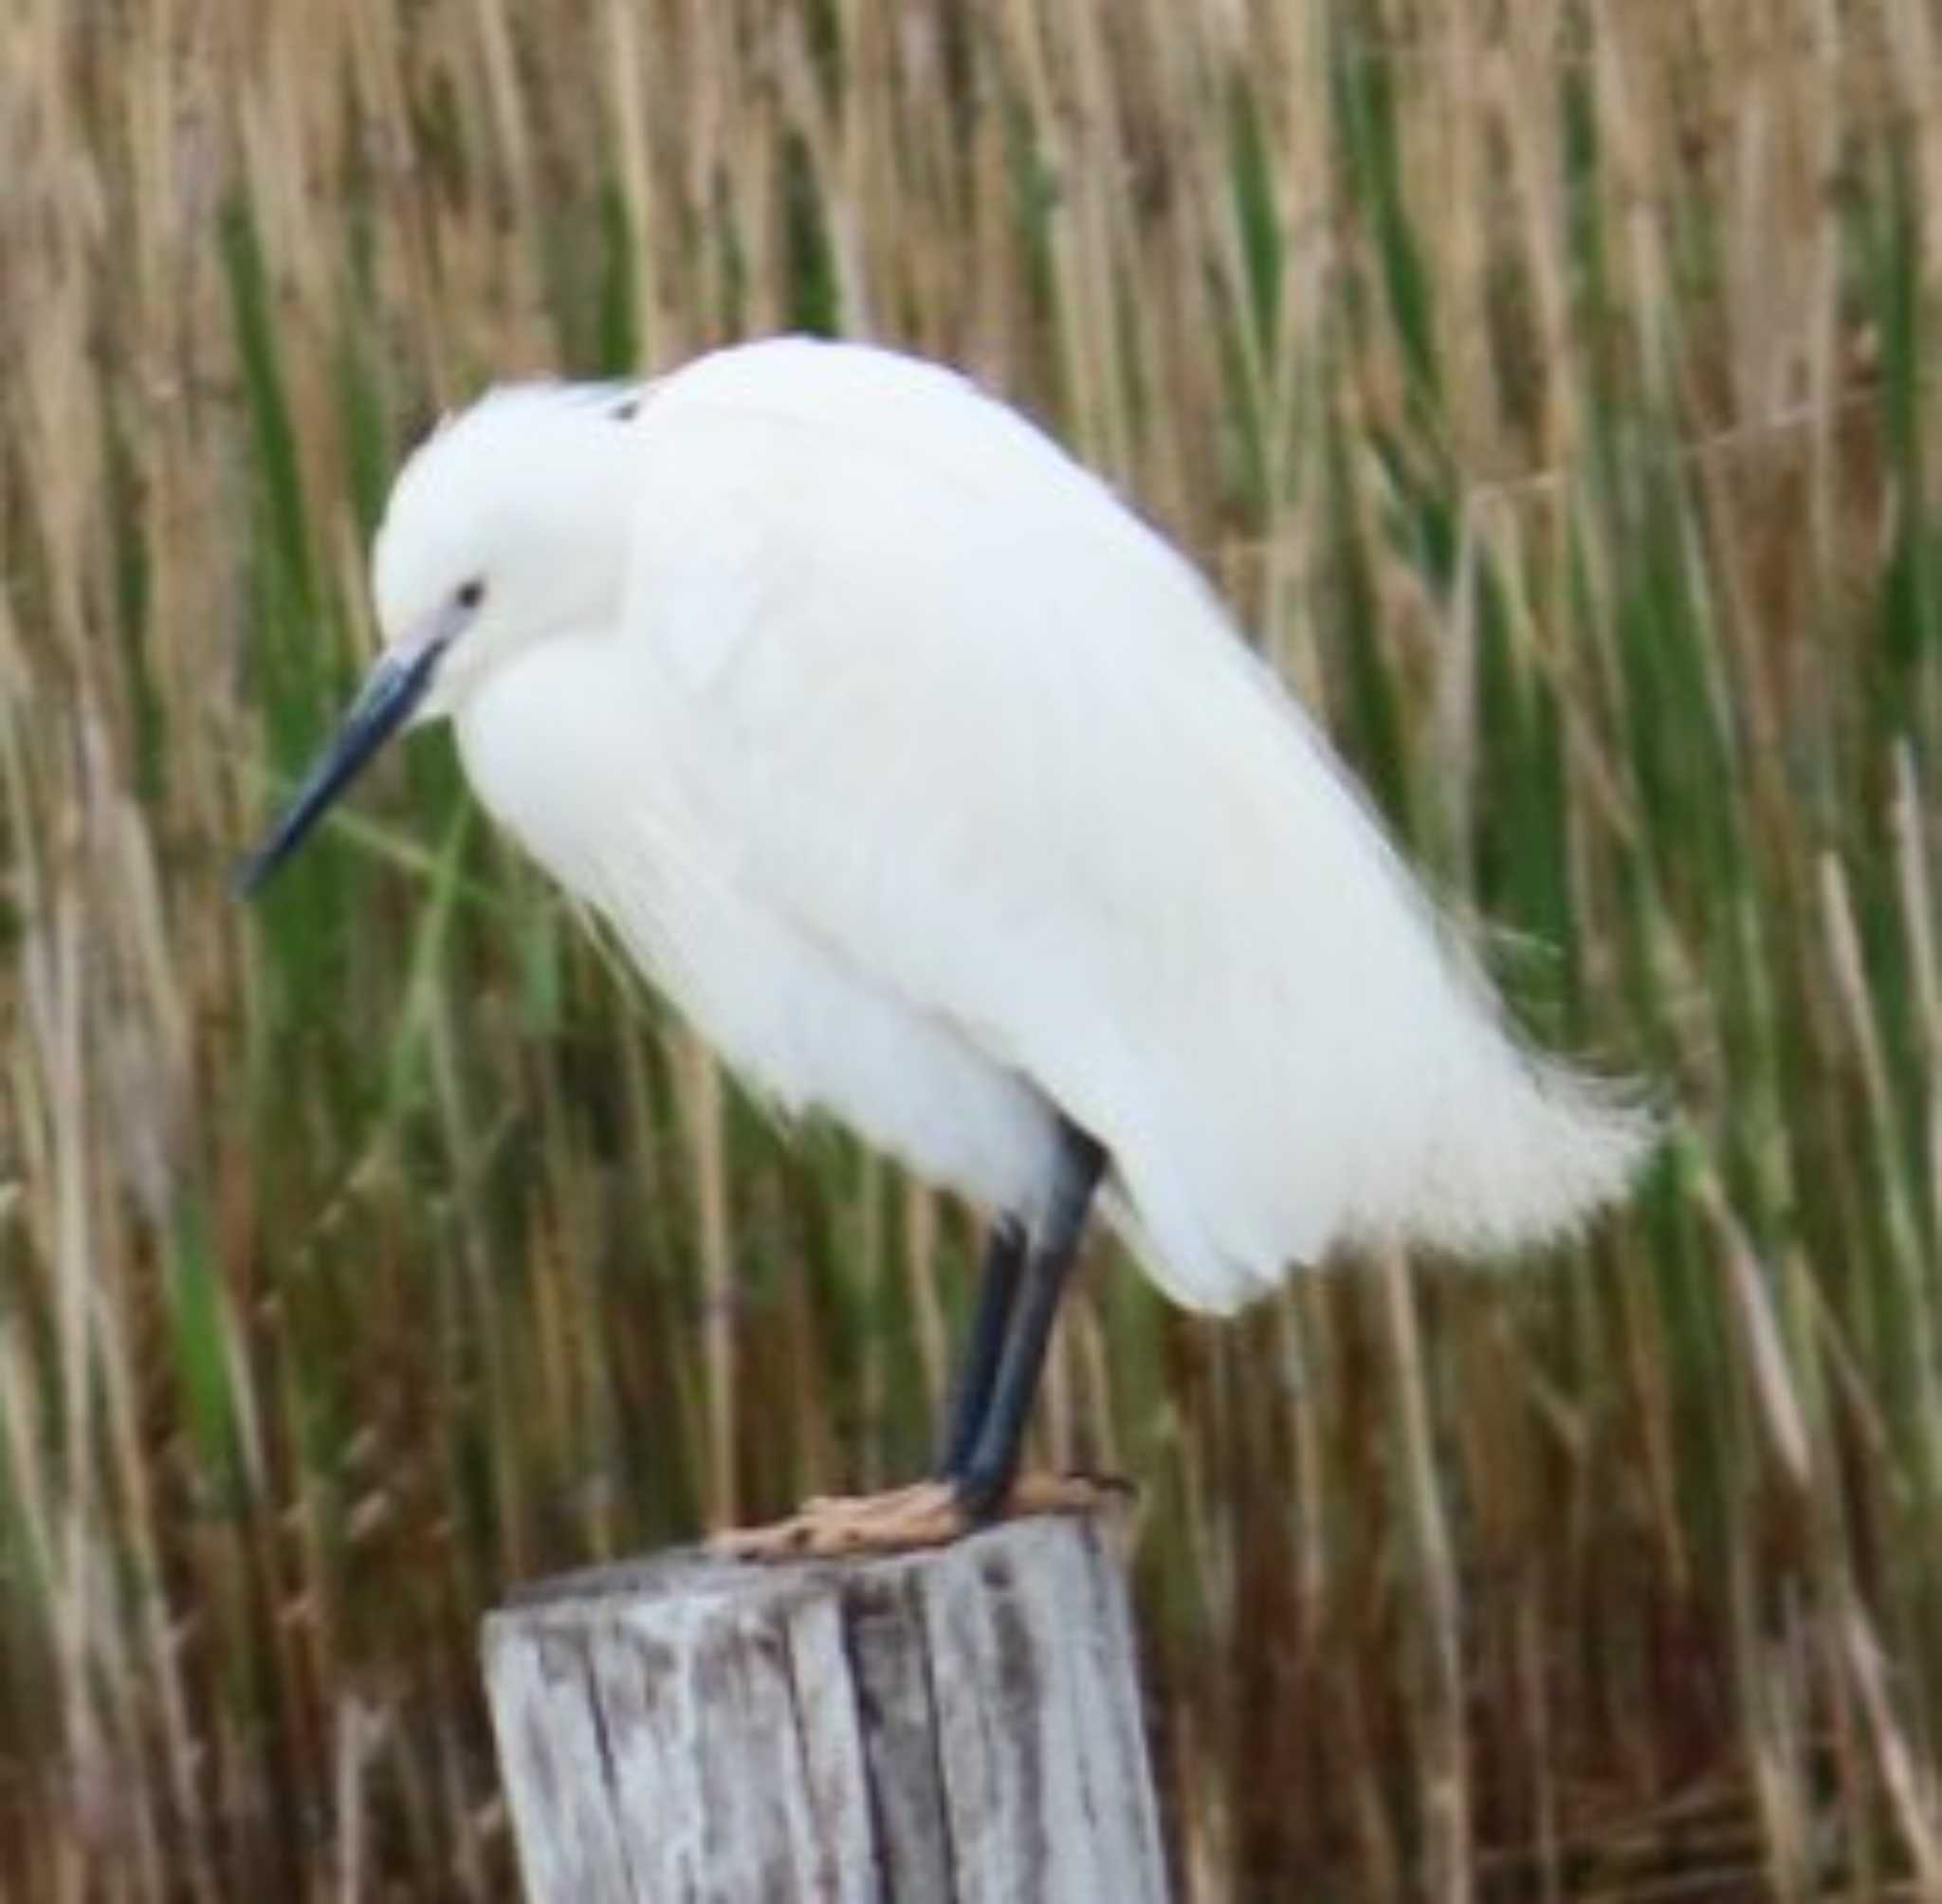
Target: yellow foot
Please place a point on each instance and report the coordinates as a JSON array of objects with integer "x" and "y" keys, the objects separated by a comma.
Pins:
[{"x": 928, "y": 1514}]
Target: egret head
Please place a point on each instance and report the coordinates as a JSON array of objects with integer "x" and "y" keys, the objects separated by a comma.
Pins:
[{"x": 505, "y": 527}]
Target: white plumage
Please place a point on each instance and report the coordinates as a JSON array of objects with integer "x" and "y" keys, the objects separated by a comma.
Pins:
[{"x": 941, "y": 794}]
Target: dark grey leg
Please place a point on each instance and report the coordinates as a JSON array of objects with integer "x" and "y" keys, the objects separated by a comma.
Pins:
[
  {"x": 984, "y": 1477},
  {"x": 978, "y": 1364}
]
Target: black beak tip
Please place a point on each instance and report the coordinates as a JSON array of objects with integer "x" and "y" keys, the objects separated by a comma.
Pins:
[
  {"x": 249, "y": 877},
  {"x": 383, "y": 707}
]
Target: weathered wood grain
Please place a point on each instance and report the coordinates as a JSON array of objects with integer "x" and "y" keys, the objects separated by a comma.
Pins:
[{"x": 962, "y": 1724}]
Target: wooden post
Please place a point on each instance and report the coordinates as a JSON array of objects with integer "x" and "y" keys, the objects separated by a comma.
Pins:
[{"x": 953, "y": 1725}]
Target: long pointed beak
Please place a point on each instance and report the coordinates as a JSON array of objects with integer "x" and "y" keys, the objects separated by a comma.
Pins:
[{"x": 384, "y": 703}]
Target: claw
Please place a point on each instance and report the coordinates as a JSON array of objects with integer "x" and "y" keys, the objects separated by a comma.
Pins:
[{"x": 907, "y": 1519}]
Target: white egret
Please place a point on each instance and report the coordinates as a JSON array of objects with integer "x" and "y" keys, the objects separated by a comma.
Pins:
[{"x": 938, "y": 789}]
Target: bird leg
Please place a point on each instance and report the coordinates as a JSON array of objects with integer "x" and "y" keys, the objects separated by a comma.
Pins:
[
  {"x": 977, "y": 1478},
  {"x": 978, "y": 1366},
  {"x": 984, "y": 1477}
]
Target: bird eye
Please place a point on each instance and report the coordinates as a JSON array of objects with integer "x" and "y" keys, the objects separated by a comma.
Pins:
[{"x": 471, "y": 594}]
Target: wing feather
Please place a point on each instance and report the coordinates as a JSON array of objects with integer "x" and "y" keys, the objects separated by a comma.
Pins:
[{"x": 942, "y": 699}]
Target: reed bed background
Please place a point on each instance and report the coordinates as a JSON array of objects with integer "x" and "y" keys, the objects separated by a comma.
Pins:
[{"x": 1547, "y": 384}]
